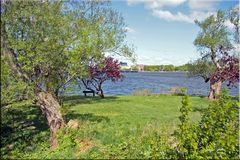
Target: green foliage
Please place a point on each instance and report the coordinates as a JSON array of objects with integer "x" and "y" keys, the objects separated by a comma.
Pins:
[
  {"x": 215, "y": 136},
  {"x": 22, "y": 129},
  {"x": 183, "y": 90},
  {"x": 150, "y": 146},
  {"x": 214, "y": 41},
  {"x": 153, "y": 68},
  {"x": 213, "y": 35},
  {"x": 182, "y": 67},
  {"x": 186, "y": 136},
  {"x": 10, "y": 85},
  {"x": 178, "y": 91},
  {"x": 201, "y": 68},
  {"x": 67, "y": 148},
  {"x": 12, "y": 89},
  {"x": 102, "y": 123},
  {"x": 219, "y": 128},
  {"x": 51, "y": 43}
]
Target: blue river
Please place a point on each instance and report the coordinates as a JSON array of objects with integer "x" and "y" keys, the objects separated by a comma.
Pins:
[{"x": 157, "y": 82}]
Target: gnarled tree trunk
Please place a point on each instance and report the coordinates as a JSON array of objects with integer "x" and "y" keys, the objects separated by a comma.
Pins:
[
  {"x": 100, "y": 93},
  {"x": 215, "y": 89},
  {"x": 51, "y": 109}
]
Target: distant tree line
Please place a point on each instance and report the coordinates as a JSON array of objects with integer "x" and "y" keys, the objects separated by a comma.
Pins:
[
  {"x": 156, "y": 68},
  {"x": 166, "y": 68}
]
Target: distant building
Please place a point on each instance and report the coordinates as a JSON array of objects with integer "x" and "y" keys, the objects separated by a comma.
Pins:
[
  {"x": 124, "y": 66},
  {"x": 140, "y": 67}
]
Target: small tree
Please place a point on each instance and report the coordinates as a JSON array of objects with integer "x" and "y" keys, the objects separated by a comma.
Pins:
[
  {"x": 108, "y": 69},
  {"x": 215, "y": 44}
]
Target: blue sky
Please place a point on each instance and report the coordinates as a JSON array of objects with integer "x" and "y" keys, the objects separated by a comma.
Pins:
[{"x": 163, "y": 31}]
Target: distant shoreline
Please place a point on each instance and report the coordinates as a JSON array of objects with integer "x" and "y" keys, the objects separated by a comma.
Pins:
[{"x": 157, "y": 71}]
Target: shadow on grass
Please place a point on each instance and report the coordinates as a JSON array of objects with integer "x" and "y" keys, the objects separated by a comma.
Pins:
[
  {"x": 21, "y": 127},
  {"x": 75, "y": 100},
  {"x": 86, "y": 117}
]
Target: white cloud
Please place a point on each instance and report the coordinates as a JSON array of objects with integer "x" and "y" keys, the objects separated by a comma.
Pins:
[
  {"x": 202, "y": 4},
  {"x": 229, "y": 25},
  {"x": 156, "y": 3},
  {"x": 130, "y": 30},
  {"x": 199, "y": 9},
  {"x": 169, "y": 16}
]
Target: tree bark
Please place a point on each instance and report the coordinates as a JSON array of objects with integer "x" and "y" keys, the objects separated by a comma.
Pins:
[
  {"x": 219, "y": 87},
  {"x": 51, "y": 109},
  {"x": 100, "y": 91},
  {"x": 215, "y": 89},
  {"x": 86, "y": 85},
  {"x": 58, "y": 98}
]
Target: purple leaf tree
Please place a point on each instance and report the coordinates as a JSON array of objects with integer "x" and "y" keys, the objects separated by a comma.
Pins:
[{"x": 108, "y": 69}]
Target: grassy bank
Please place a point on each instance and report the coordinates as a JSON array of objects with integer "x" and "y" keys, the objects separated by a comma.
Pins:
[{"x": 104, "y": 123}]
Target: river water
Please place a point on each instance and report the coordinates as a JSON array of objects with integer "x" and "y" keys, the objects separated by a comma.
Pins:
[{"x": 159, "y": 82}]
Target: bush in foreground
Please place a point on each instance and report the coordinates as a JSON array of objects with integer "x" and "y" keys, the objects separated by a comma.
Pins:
[{"x": 215, "y": 136}]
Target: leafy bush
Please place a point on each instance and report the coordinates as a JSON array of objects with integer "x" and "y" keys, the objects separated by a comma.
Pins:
[
  {"x": 215, "y": 136},
  {"x": 179, "y": 91},
  {"x": 186, "y": 136},
  {"x": 142, "y": 92}
]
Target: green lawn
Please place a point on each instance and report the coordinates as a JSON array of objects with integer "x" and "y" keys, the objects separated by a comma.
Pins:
[
  {"x": 132, "y": 110},
  {"x": 103, "y": 122},
  {"x": 115, "y": 117}
]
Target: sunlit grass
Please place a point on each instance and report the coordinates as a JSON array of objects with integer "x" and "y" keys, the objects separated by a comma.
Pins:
[{"x": 103, "y": 122}]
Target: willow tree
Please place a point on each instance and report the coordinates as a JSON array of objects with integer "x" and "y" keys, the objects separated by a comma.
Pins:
[
  {"x": 46, "y": 44},
  {"x": 214, "y": 42}
]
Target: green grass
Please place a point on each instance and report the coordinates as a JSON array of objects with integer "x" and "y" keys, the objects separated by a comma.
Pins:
[
  {"x": 104, "y": 122},
  {"x": 132, "y": 110}
]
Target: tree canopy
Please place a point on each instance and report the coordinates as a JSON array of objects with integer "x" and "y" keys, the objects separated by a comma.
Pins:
[
  {"x": 217, "y": 46},
  {"x": 51, "y": 42},
  {"x": 46, "y": 44}
]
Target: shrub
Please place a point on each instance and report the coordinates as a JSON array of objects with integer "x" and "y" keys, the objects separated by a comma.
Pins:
[
  {"x": 185, "y": 134},
  {"x": 215, "y": 136},
  {"x": 179, "y": 91},
  {"x": 220, "y": 129},
  {"x": 142, "y": 92}
]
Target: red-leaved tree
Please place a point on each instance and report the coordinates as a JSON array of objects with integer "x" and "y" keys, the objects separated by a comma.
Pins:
[
  {"x": 108, "y": 69},
  {"x": 229, "y": 72}
]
